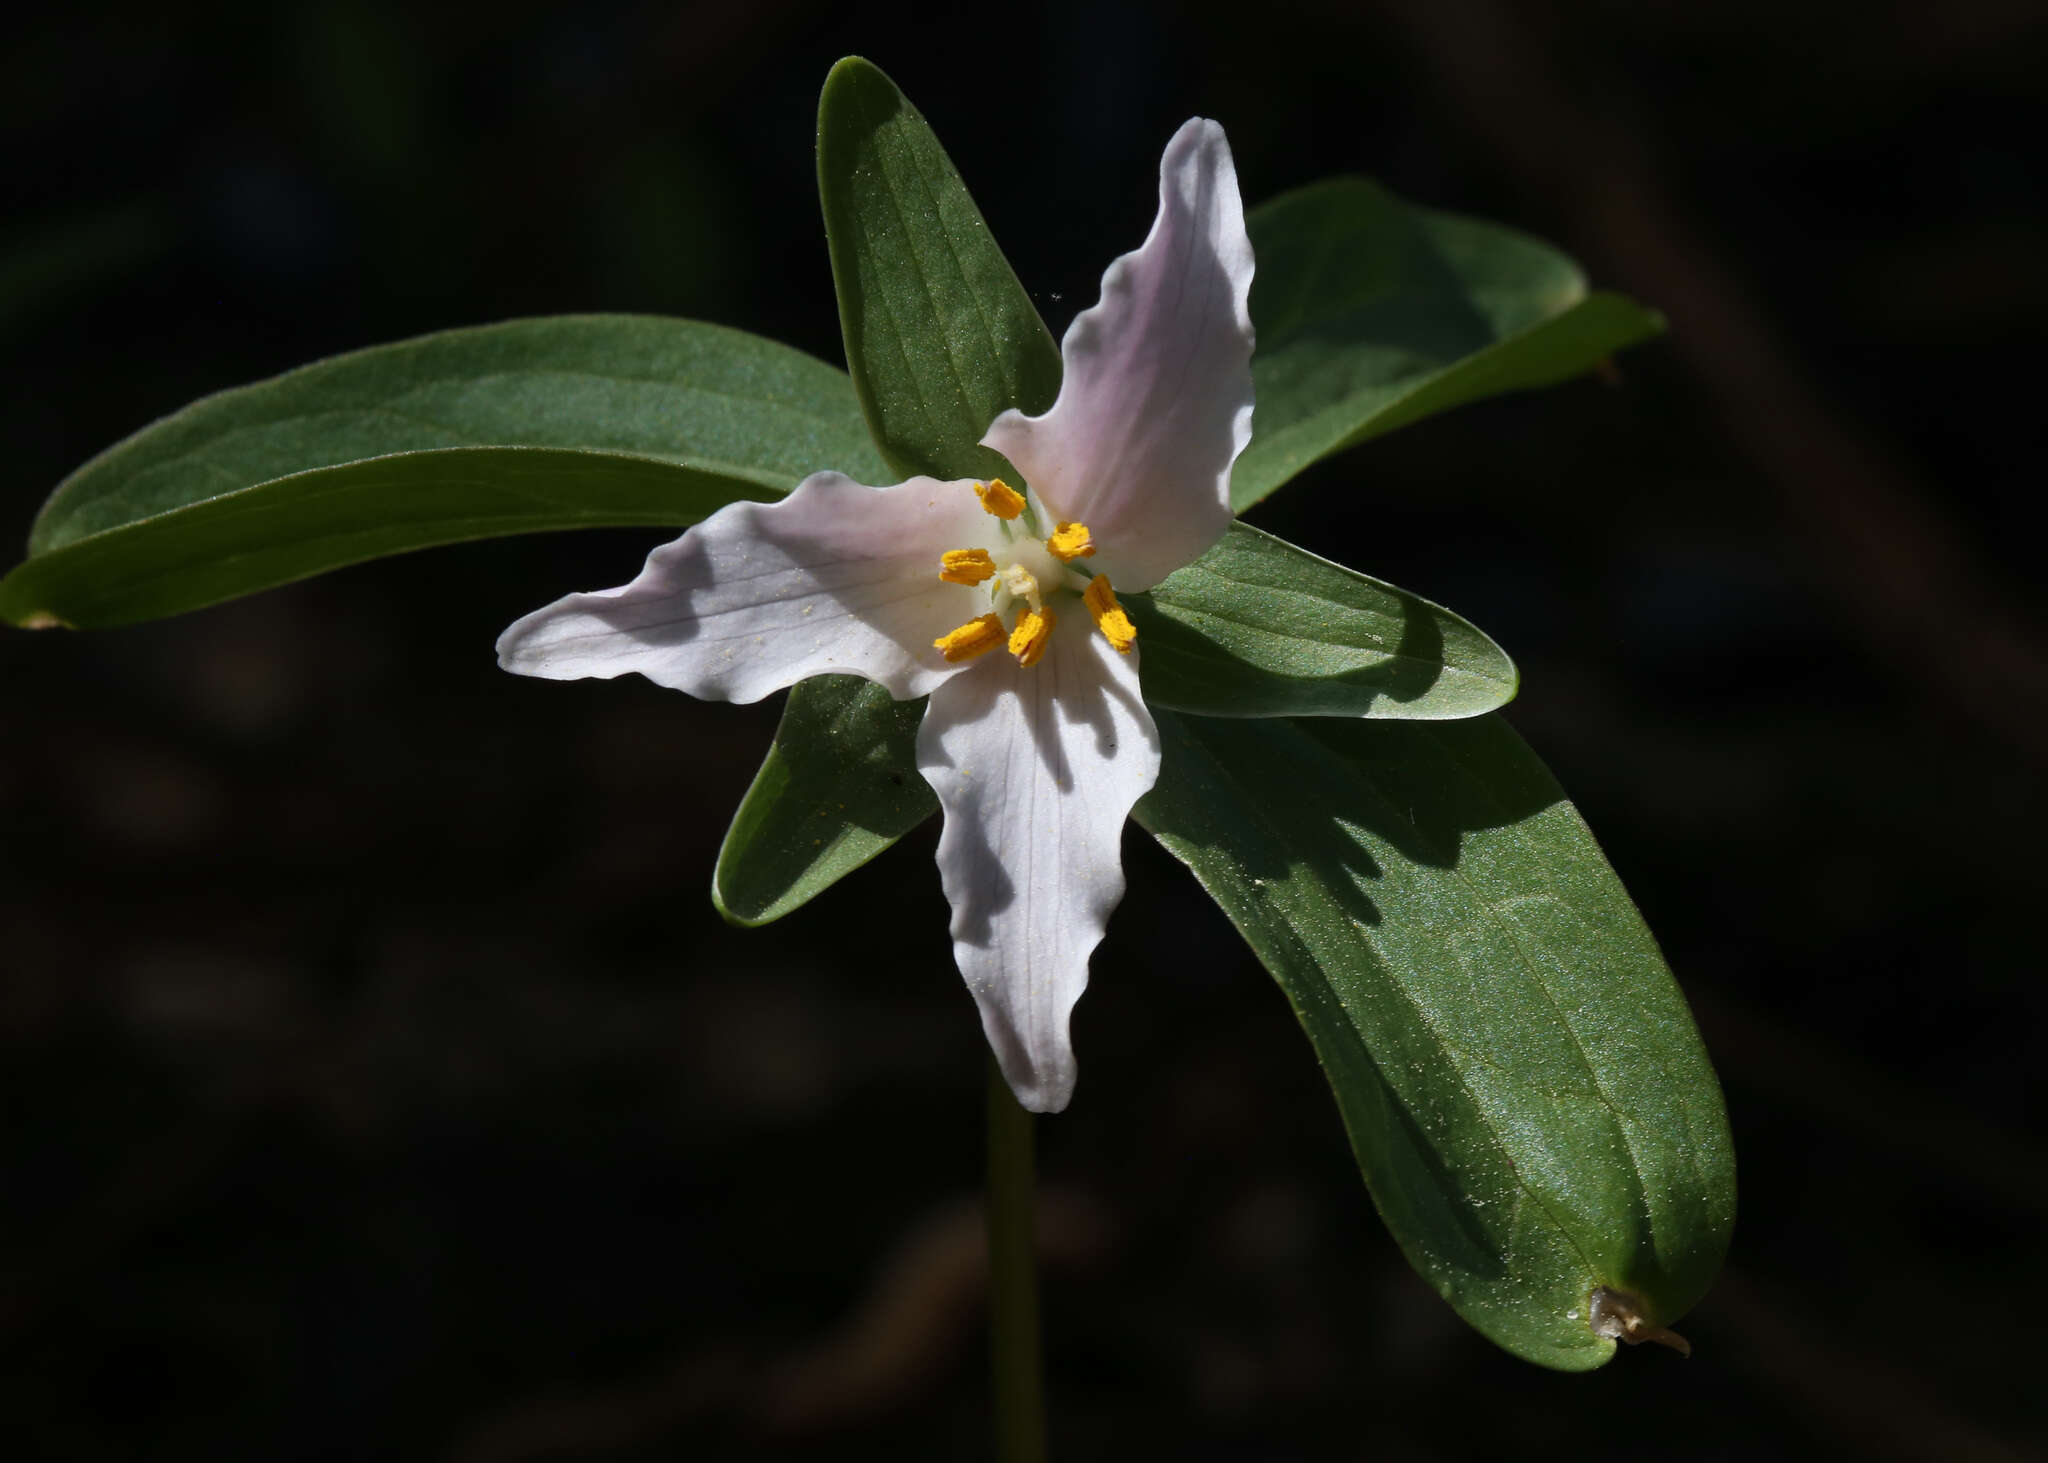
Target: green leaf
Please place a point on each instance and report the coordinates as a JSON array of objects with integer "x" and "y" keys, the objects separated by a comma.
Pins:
[
  {"x": 313, "y": 469},
  {"x": 310, "y": 522},
  {"x": 839, "y": 785},
  {"x": 1373, "y": 313},
  {"x": 1524, "y": 1088},
  {"x": 940, "y": 337},
  {"x": 1258, "y": 627}
]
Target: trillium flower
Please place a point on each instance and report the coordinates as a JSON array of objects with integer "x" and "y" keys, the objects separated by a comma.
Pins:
[{"x": 997, "y": 601}]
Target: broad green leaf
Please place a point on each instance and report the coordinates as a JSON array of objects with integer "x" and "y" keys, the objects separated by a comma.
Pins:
[
  {"x": 940, "y": 337},
  {"x": 1523, "y": 1085},
  {"x": 1373, "y": 313},
  {"x": 1258, "y": 627},
  {"x": 839, "y": 785},
  {"x": 697, "y": 395},
  {"x": 311, "y": 522},
  {"x": 304, "y": 472}
]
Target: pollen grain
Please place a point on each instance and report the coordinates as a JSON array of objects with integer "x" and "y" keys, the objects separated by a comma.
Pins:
[
  {"x": 1071, "y": 541},
  {"x": 976, "y": 637},
  {"x": 1110, "y": 619},
  {"x": 999, "y": 498},
  {"x": 1032, "y": 635},
  {"x": 966, "y": 566}
]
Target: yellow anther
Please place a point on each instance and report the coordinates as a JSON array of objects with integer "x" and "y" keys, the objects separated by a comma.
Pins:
[
  {"x": 976, "y": 637},
  {"x": 1032, "y": 635},
  {"x": 966, "y": 566},
  {"x": 1110, "y": 619},
  {"x": 1071, "y": 541},
  {"x": 999, "y": 498}
]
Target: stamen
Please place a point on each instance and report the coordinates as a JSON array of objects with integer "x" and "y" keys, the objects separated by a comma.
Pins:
[
  {"x": 999, "y": 498},
  {"x": 976, "y": 637},
  {"x": 1110, "y": 619},
  {"x": 966, "y": 566},
  {"x": 1032, "y": 635},
  {"x": 1071, "y": 541}
]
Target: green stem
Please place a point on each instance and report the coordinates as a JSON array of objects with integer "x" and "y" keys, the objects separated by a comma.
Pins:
[{"x": 1013, "y": 1279}]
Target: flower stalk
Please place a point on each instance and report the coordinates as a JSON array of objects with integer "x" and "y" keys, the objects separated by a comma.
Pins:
[{"x": 1016, "y": 1366}]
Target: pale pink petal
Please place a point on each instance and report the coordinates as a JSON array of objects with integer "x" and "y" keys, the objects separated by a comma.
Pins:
[
  {"x": 834, "y": 577},
  {"x": 1156, "y": 402},
  {"x": 1036, "y": 771}
]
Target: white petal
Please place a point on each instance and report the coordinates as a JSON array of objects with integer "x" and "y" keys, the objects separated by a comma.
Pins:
[
  {"x": 1036, "y": 770},
  {"x": 1156, "y": 402},
  {"x": 834, "y": 577}
]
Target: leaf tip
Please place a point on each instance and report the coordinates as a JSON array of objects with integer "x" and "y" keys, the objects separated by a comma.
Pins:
[
  {"x": 725, "y": 911},
  {"x": 1619, "y": 1316},
  {"x": 854, "y": 70}
]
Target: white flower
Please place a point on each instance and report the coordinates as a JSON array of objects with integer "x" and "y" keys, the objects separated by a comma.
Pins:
[{"x": 996, "y": 604}]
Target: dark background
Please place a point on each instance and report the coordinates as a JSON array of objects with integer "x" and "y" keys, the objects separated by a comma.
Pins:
[{"x": 378, "y": 1081}]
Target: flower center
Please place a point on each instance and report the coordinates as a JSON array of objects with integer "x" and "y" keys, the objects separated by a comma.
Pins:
[{"x": 1022, "y": 573}]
